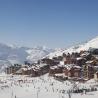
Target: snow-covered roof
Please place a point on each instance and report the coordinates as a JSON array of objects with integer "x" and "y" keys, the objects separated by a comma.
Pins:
[
  {"x": 85, "y": 54},
  {"x": 69, "y": 66},
  {"x": 41, "y": 65},
  {"x": 79, "y": 58},
  {"x": 19, "y": 71},
  {"x": 77, "y": 67},
  {"x": 37, "y": 67},
  {"x": 96, "y": 56},
  {"x": 25, "y": 69},
  {"x": 60, "y": 74},
  {"x": 53, "y": 67},
  {"x": 88, "y": 62},
  {"x": 61, "y": 62},
  {"x": 24, "y": 65}
]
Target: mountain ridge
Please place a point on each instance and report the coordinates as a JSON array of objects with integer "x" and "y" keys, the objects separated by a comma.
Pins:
[
  {"x": 10, "y": 54},
  {"x": 93, "y": 43}
]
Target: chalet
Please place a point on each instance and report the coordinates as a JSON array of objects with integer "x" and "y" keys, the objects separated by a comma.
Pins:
[
  {"x": 40, "y": 69},
  {"x": 72, "y": 70},
  {"x": 19, "y": 72},
  {"x": 50, "y": 62},
  {"x": 12, "y": 69},
  {"x": 33, "y": 71},
  {"x": 43, "y": 68},
  {"x": 67, "y": 59},
  {"x": 71, "y": 58},
  {"x": 24, "y": 70},
  {"x": 56, "y": 69},
  {"x": 84, "y": 54},
  {"x": 60, "y": 77}
]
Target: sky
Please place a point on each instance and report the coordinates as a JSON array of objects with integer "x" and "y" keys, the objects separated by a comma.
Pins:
[{"x": 51, "y": 23}]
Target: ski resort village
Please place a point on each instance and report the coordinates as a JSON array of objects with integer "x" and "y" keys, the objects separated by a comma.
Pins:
[
  {"x": 48, "y": 48},
  {"x": 63, "y": 73}
]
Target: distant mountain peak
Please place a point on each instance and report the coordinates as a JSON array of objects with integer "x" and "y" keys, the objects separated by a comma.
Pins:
[
  {"x": 16, "y": 54},
  {"x": 10, "y": 54}
]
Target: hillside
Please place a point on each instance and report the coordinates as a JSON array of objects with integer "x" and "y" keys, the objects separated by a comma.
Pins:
[
  {"x": 77, "y": 48},
  {"x": 10, "y": 54}
]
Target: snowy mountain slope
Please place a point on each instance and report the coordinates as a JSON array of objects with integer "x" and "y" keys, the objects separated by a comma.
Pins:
[
  {"x": 57, "y": 52},
  {"x": 4, "y": 64},
  {"x": 14, "y": 54},
  {"x": 38, "y": 53},
  {"x": 43, "y": 87},
  {"x": 85, "y": 46},
  {"x": 92, "y": 43}
]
